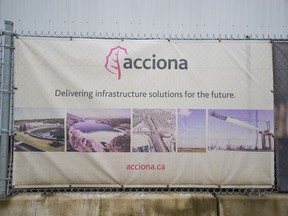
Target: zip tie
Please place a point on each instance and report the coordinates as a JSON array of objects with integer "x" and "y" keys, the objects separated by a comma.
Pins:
[
  {"x": 6, "y": 131},
  {"x": 7, "y": 47},
  {"x": 1, "y": 178},
  {"x": 8, "y": 33},
  {"x": 10, "y": 132},
  {"x": 7, "y": 91}
]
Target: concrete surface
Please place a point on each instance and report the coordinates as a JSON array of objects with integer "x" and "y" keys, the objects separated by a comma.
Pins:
[
  {"x": 109, "y": 204},
  {"x": 274, "y": 204},
  {"x": 138, "y": 204}
]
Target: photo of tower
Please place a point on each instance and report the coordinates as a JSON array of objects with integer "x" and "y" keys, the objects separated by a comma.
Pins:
[
  {"x": 241, "y": 130},
  {"x": 191, "y": 130}
]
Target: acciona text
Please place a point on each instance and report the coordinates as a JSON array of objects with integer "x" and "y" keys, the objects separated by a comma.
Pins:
[{"x": 154, "y": 63}]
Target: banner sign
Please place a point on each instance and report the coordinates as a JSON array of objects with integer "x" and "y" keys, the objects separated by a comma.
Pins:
[{"x": 143, "y": 113}]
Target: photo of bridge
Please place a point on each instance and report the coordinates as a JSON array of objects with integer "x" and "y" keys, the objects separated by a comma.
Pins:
[{"x": 154, "y": 130}]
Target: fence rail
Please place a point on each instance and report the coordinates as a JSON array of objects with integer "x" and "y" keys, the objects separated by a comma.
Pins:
[{"x": 139, "y": 36}]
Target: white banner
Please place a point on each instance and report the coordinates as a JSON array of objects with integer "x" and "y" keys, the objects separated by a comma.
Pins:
[{"x": 143, "y": 113}]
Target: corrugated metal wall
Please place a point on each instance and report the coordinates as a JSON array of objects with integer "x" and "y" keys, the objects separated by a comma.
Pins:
[{"x": 151, "y": 17}]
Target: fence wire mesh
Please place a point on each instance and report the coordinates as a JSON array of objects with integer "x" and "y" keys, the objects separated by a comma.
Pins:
[
  {"x": 281, "y": 81},
  {"x": 139, "y": 36},
  {"x": 280, "y": 60}
]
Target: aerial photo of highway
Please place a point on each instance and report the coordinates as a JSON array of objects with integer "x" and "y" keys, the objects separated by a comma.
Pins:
[{"x": 154, "y": 130}]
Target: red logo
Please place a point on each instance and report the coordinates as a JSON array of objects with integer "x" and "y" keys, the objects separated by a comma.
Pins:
[{"x": 112, "y": 63}]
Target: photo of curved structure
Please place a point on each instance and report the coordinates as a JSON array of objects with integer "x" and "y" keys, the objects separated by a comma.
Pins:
[
  {"x": 39, "y": 130},
  {"x": 241, "y": 130},
  {"x": 98, "y": 130},
  {"x": 154, "y": 130},
  {"x": 191, "y": 130}
]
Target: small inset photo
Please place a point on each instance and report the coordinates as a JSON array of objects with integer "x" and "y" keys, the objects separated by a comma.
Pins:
[
  {"x": 98, "y": 130},
  {"x": 154, "y": 130},
  {"x": 191, "y": 130},
  {"x": 39, "y": 129},
  {"x": 241, "y": 130}
]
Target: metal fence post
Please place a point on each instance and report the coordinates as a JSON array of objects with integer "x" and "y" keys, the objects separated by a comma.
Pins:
[{"x": 6, "y": 91}]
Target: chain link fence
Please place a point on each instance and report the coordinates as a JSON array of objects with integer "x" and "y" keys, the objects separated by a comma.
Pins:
[
  {"x": 281, "y": 113},
  {"x": 139, "y": 36},
  {"x": 280, "y": 62}
]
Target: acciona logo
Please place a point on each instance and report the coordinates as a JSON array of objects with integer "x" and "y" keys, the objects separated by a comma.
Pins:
[
  {"x": 114, "y": 66},
  {"x": 112, "y": 63}
]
